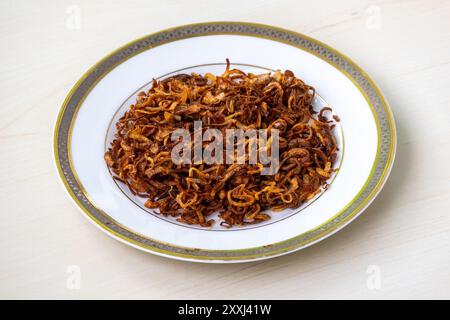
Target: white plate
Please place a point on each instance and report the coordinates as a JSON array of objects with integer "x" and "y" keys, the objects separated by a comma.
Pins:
[{"x": 366, "y": 136}]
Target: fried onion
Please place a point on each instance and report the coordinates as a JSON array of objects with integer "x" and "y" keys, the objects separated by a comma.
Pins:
[{"x": 140, "y": 157}]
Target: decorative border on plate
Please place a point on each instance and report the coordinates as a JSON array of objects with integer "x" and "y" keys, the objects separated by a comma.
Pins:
[{"x": 380, "y": 108}]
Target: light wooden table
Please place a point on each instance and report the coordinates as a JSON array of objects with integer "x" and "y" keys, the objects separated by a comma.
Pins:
[{"x": 399, "y": 248}]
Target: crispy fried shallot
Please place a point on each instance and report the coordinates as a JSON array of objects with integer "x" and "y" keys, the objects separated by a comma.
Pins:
[{"x": 140, "y": 154}]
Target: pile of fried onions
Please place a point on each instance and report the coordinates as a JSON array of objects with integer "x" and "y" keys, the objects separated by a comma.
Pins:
[{"x": 140, "y": 154}]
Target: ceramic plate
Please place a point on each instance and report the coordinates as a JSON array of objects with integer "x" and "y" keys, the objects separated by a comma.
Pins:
[{"x": 85, "y": 126}]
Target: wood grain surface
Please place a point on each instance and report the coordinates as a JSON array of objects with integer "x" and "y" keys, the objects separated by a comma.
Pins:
[{"x": 399, "y": 248}]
